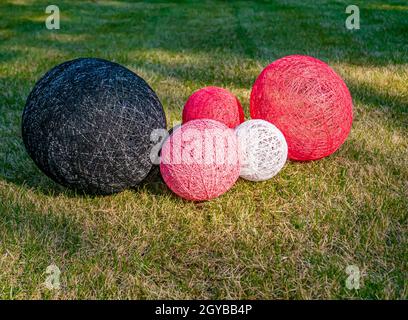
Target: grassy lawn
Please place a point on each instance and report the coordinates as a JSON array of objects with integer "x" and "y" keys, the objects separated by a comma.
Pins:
[{"x": 290, "y": 237}]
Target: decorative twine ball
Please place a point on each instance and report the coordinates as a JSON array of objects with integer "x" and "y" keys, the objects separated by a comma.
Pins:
[
  {"x": 168, "y": 135},
  {"x": 174, "y": 128},
  {"x": 307, "y": 101},
  {"x": 263, "y": 150},
  {"x": 214, "y": 103},
  {"x": 200, "y": 160},
  {"x": 87, "y": 125}
]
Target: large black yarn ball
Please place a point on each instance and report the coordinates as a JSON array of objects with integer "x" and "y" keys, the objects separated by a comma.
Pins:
[{"x": 87, "y": 125}]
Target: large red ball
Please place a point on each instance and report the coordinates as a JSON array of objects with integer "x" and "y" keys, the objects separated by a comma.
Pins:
[
  {"x": 214, "y": 103},
  {"x": 307, "y": 101},
  {"x": 200, "y": 160}
]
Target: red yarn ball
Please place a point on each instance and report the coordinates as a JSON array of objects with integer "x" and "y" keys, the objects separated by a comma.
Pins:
[
  {"x": 214, "y": 103},
  {"x": 199, "y": 161},
  {"x": 307, "y": 101}
]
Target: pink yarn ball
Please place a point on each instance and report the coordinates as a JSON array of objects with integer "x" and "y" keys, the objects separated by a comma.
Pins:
[
  {"x": 307, "y": 101},
  {"x": 200, "y": 160},
  {"x": 214, "y": 103}
]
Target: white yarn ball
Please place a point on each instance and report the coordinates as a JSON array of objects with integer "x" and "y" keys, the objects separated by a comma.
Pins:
[{"x": 263, "y": 149}]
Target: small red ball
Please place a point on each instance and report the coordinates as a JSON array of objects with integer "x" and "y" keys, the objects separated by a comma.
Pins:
[
  {"x": 214, "y": 103},
  {"x": 307, "y": 101},
  {"x": 200, "y": 160}
]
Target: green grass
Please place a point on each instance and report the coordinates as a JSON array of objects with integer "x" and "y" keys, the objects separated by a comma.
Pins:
[{"x": 290, "y": 237}]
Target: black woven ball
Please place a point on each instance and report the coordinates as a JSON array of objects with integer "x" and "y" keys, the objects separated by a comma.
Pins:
[{"x": 87, "y": 125}]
